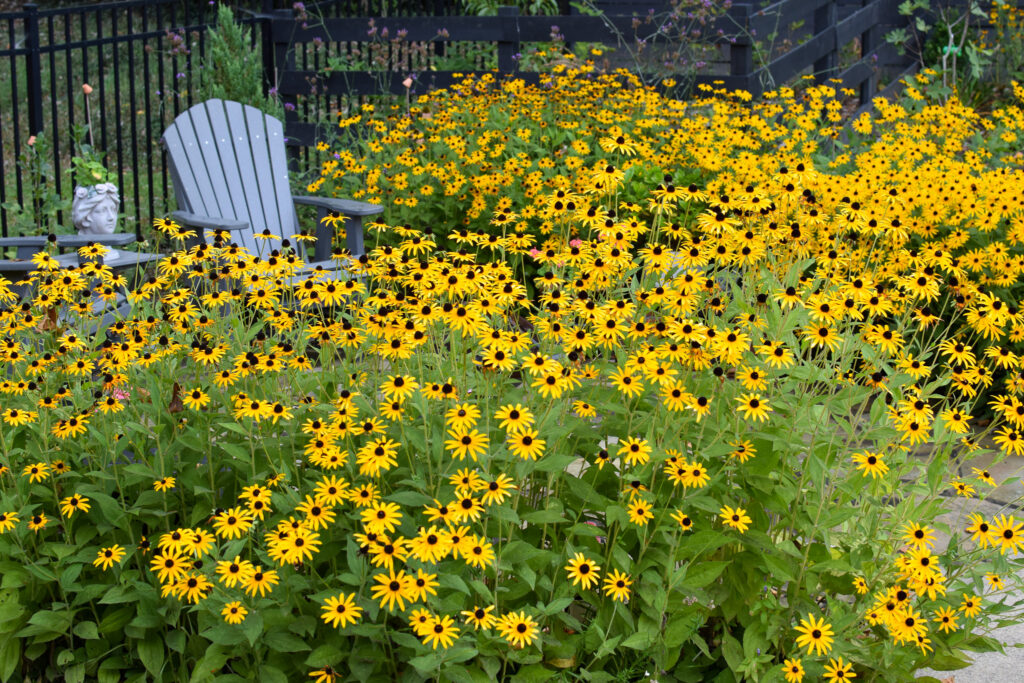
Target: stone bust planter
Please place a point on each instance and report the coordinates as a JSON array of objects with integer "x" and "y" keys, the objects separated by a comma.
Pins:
[{"x": 94, "y": 212}]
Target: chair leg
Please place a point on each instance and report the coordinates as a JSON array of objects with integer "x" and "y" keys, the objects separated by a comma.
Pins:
[{"x": 354, "y": 235}]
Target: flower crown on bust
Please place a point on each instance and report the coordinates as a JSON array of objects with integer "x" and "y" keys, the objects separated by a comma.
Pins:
[{"x": 92, "y": 190}]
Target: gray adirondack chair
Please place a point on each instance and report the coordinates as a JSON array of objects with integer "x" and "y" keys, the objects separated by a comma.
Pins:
[{"x": 230, "y": 172}]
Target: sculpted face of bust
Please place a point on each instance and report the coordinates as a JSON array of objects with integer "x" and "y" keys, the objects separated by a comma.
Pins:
[{"x": 94, "y": 210}]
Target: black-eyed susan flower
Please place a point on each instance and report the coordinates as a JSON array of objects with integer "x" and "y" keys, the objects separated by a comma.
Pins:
[
  {"x": 526, "y": 444},
  {"x": 495, "y": 492},
  {"x": 815, "y": 634},
  {"x": 616, "y": 585},
  {"x": 793, "y": 670},
  {"x": 39, "y": 471},
  {"x": 234, "y": 612},
  {"x": 108, "y": 557},
  {"x": 232, "y": 523},
  {"x": 753, "y": 407},
  {"x": 169, "y": 566},
  {"x": 870, "y": 464},
  {"x": 234, "y": 572},
  {"x": 8, "y": 520},
  {"x": 946, "y": 618},
  {"x": 340, "y": 610},
  {"x": 441, "y": 631},
  {"x": 471, "y": 442},
  {"x": 735, "y": 518},
  {"x": 640, "y": 511},
  {"x": 480, "y": 617},
  {"x": 38, "y": 521},
  {"x": 381, "y": 517},
  {"x": 192, "y": 587},
  {"x": 583, "y": 572},
  {"x": 514, "y": 418},
  {"x": 393, "y": 590},
  {"x": 74, "y": 503},
  {"x": 518, "y": 628},
  {"x": 261, "y": 582},
  {"x": 635, "y": 451},
  {"x": 837, "y": 671},
  {"x": 1007, "y": 533}
]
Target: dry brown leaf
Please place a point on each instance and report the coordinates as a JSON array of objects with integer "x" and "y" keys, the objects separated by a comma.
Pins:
[{"x": 176, "y": 406}]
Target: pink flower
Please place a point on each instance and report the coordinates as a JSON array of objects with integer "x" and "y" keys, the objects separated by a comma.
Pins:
[
  {"x": 576, "y": 243},
  {"x": 535, "y": 252},
  {"x": 120, "y": 394}
]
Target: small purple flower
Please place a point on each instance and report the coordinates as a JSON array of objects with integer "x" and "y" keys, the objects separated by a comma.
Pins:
[
  {"x": 288, "y": 106},
  {"x": 179, "y": 75}
]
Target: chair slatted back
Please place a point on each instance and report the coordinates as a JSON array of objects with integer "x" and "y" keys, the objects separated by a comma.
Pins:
[{"x": 228, "y": 161}]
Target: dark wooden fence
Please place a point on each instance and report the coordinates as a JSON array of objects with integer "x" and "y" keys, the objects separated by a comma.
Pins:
[
  {"x": 828, "y": 30},
  {"x": 143, "y": 59}
]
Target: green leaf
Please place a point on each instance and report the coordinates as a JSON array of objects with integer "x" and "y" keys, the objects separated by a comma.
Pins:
[
  {"x": 282, "y": 641},
  {"x": 325, "y": 655},
  {"x": 56, "y": 622},
  {"x": 534, "y": 673},
  {"x": 118, "y": 595},
  {"x": 779, "y": 568},
  {"x": 271, "y": 674},
  {"x": 212, "y": 661},
  {"x": 151, "y": 652},
  {"x": 552, "y": 514},
  {"x": 641, "y": 640},
  {"x": 410, "y": 498},
  {"x": 427, "y": 664},
  {"x": 732, "y": 651},
  {"x": 702, "y": 573},
  {"x": 943, "y": 661},
  {"x": 73, "y": 674},
  {"x": 681, "y": 627},
  {"x": 10, "y": 657},
  {"x": 556, "y": 606},
  {"x": 86, "y": 630}
]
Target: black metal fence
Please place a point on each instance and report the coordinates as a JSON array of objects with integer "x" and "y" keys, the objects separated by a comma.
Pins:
[{"x": 144, "y": 60}]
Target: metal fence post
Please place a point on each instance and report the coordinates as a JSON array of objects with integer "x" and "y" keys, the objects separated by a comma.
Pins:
[
  {"x": 266, "y": 38},
  {"x": 508, "y": 46},
  {"x": 284, "y": 59},
  {"x": 741, "y": 52},
  {"x": 34, "y": 70},
  {"x": 868, "y": 43},
  {"x": 825, "y": 19}
]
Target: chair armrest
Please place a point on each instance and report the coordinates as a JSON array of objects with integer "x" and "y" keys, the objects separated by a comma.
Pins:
[
  {"x": 353, "y": 212},
  {"x": 27, "y": 241},
  {"x": 118, "y": 239},
  {"x": 209, "y": 222},
  {"x": 348, "y": 207},
  {"x": 31, "y": 244}
]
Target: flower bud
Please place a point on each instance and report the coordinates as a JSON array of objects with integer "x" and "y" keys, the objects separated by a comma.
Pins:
[{"x": 86, "y": 88}]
